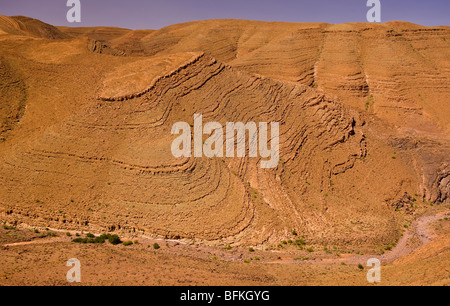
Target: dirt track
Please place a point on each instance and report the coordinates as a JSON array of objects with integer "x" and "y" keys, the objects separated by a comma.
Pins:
[{"x": 418, "y": 235}]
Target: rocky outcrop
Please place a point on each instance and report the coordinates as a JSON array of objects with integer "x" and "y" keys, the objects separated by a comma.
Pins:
[{"x": 100, "y": 47}]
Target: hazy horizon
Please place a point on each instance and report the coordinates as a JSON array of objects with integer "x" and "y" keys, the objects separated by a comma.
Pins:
[{"x": 156, "y": 14}]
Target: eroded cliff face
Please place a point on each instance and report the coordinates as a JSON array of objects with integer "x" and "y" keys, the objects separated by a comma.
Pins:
[
  {"x": 361, "y": 136},
  {"x": 396, "y": 71}
]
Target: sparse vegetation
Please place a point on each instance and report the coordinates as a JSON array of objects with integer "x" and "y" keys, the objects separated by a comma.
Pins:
[
  {"x": 300, "y": 242},
  {"x": 369, "y": 102},
  {"x": 113, "y": 239}
]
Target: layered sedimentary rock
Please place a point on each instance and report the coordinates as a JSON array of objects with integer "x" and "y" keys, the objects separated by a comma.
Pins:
[{"x": 360, "y": 135}]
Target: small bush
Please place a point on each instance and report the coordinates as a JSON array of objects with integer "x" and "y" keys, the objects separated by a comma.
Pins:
[
  {"x": 83, "y": 240},
  {"x": 360, "y": 266},
  {"x": 89, "y": 235},
  {"x": 128, "y": 243},
  {"x": 114, "y": 239},
  {"x": 300, "y": 242},
  {"x": 251, "y": 249},
  {"x": 156, "y": 246}
]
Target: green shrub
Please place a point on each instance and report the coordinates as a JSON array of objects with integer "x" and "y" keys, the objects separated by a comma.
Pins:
[
  {"x": 251, "y": 249},
  {"x": 156, "y": 246},
  {"x": 80, "y": 240},
  {"x": 114, "y": 239},
  {"x": 300, "y": 242},
  {"x": 128, "y": 243}
]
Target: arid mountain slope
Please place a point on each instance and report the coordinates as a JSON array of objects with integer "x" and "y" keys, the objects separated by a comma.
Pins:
[
  {"x": 95, "y": 33},
  {"x": 21, "y": 25},
  {"x": 397, "y": 70},
  {"x": 92, "y": 149}
]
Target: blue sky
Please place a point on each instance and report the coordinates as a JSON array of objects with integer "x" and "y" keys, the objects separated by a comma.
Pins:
[{"x": 154, "y": 14}]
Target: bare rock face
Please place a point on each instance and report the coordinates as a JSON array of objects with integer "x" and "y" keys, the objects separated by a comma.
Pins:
[
  {"x": 405, "y": 203},
  {"x": 442, "y": 191},
  {"x": 132, "y": 80},
  {"x": 436, "y": 176},
  {"x": 96, "y": 46}
]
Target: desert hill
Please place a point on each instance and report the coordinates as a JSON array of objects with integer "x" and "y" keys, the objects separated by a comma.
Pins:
[
  {"x": 364, "y": 135},
  {"x": 21, "y": 25},
  {"x": 95, "y": 33},
  {"x": 397, "y": 70}
]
